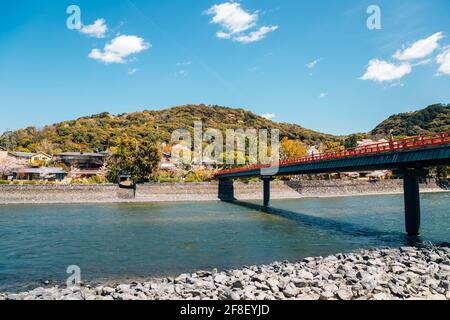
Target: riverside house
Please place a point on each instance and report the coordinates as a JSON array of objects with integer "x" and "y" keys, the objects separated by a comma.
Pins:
[
  {"x": 41, "y": 174},
  {"x": 33, "y": 159},
  {"x": 84, "y": 165}
]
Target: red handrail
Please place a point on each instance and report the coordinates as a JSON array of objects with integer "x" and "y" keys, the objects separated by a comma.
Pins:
[{"x": 381, "y": 147}]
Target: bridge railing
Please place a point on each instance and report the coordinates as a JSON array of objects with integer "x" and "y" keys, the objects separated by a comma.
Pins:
[{"x": 381, "y": 147}]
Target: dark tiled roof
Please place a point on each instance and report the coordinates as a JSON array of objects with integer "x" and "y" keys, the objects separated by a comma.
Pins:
[
  {"x": 81, "y": 154},
  {"x": 22, "y": 154}
]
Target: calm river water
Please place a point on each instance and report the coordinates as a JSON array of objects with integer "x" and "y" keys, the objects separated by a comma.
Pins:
[{"x": 122, "y": 241}]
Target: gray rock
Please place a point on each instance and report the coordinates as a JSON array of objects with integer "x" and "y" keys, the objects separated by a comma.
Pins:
[
  {"x": 261, "y": 286},
  {"x": 238, "y": 284},
  {"x": 329, "y": 287},
  {"x": 408, "y": 273},
  {"x": 259, "y": 277},
  {"x": 235, "y": 296},
  {"x": 445, "y": 284},
  {"x": 290, "y": 292},
  {"x": 203, "y": 274},
  {"x": 305, "y": 275},
  {"x": 181, "y": 278},
  {"x": 127, "y": 296},
  {"x": 107, "y": 291},
  {"x": 344, "y": 294},
  {"x": 220, "y": 278},
  {"x": 394, "y": 289},
  {"x": 445, "y": 267},
  {"x": 418, "y": 270},
  {"x": 300, "y": 283},
  {"x": 326, "y": 295},
  {"x": 397, "y": 269},
  {"x": 435, "y": 257},
  {"x": 123, "y": 288},
  {"x": 381, "y": 296}
]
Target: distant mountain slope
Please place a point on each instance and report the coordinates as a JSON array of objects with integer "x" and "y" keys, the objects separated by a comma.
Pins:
[
  {"x": 434, "y": 118},
  {"x": 100, "y": 131}
]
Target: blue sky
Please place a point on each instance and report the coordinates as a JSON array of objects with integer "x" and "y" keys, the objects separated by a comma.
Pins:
[{"x": 312, "y": 63}]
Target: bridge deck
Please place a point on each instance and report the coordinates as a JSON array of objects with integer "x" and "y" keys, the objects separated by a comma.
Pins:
[{"x": 411, "y": 152}]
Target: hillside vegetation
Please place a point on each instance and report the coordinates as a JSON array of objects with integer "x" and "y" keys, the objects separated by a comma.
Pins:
[
  {"x": 101, "y": 131},
  {"x": 434, "y": 118}
]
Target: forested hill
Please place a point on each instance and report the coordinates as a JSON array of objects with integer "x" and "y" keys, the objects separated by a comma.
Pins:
[
  {"x": 102, "y": 130},
  {"x": 434, "y": 118}
]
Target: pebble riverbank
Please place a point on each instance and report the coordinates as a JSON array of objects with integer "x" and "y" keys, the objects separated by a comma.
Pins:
[{"x": 378, "y": 274}]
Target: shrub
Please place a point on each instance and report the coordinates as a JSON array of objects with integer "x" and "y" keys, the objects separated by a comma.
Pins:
[
  {"x": 162, "y": 180},
  {"x": 30, "y": 182},
  {"x": 91, "y": 180},
  {"x": 199, "y": 175}
]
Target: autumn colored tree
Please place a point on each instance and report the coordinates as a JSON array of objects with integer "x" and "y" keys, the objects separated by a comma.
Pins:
[
  {"x": 331, "y": 146},
  {"x": 292, "y": 149}
]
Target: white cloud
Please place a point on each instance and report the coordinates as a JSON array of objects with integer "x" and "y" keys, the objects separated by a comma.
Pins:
[
  {"x": 132, "y": 71},
  {"x": 235, "y": 22},
  {"x": 380, "y": 71},
  {"x": 323, "y": 95},
  {"x": 420, "y": 49},
  {"x": 313, "y": 64},
  {"x": 119, "y": 49},
  {"x": 423, "y": 62},
  {"x": 269, "y": 116},
  {"x": 444, "y": 62},
  {"x": 232, "y": 17},
  {"x": 257, "y": 35},
  {"x": 98, "y": 29}
]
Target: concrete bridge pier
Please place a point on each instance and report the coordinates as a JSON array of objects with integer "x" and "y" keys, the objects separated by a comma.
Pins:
[
  {"x": 411, "y": 195},
  {"x": 266, "y": 187},
  {"x": 226, "y": 190}
]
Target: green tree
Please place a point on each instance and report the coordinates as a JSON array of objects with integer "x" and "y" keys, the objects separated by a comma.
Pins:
[
  {"x": 443, "y": 171},
  {"x": 352, "y": 141},
  {"x": 140, "y": 159},
  {"x": 102, "y": 130}
]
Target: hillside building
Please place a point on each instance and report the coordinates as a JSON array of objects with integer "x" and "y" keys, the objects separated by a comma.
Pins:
[{"x": 84, "y": 165}]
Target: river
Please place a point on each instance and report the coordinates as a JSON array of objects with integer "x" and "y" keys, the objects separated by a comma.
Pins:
[{"x": 130, "y": 241}]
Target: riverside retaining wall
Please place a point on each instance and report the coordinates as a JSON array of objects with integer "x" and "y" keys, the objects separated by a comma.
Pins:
[
  {"x": 195, "y": 191},
  {"x": 57, "y": 193}
]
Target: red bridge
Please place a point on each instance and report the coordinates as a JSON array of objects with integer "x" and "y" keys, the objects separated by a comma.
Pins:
[{"x": 409, "y": 157}]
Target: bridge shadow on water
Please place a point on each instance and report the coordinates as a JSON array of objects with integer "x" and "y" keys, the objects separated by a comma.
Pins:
[{"x": 388, "y": 237}]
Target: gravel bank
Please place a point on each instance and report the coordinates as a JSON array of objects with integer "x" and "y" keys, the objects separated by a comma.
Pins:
[{"x": 378, "y": 274}]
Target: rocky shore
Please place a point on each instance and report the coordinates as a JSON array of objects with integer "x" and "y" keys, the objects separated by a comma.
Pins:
[{"x": 378, "y": 274}]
